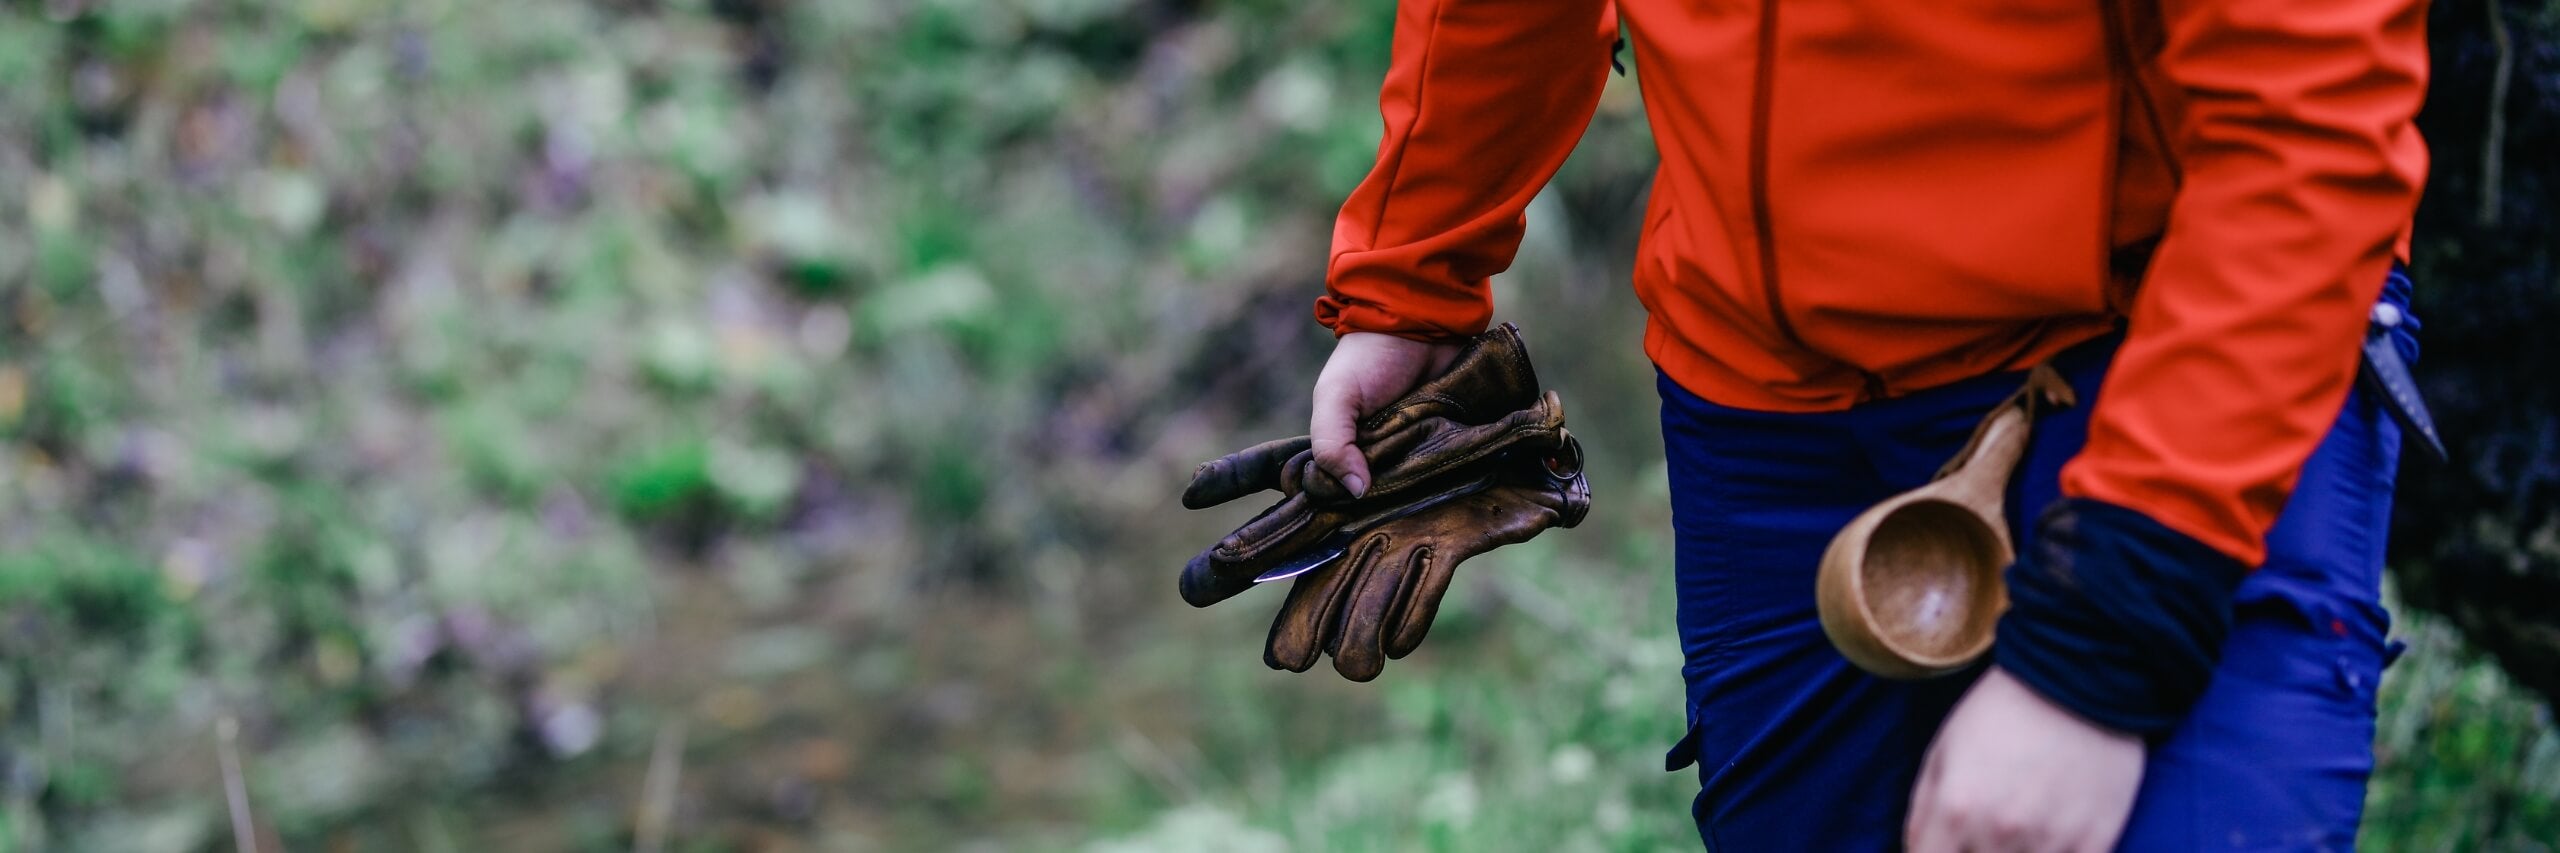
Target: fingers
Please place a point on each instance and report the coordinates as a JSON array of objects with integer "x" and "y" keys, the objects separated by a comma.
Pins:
[
  {"x": 1229, "y": 567},
  {"x": 1504, "y": 515},
  {"x": 1411, "y": 618},
  {"x": 1378, "y": 603},
  {"x": 1203, "y": 583},
  {"x": 1359, "y": 650},
  {"x": 1356, "y": 609},
  {"x": 1241, "y": 473},
  {"x": 1365, "y": 372},
  {"x": 1331, "y": 431},
  {"x": 1307, "y": 621},
  {"x": 2010, "y": 771}
]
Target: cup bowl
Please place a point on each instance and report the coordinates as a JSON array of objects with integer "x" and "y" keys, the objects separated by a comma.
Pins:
[{"x": 1911, "y": 589}]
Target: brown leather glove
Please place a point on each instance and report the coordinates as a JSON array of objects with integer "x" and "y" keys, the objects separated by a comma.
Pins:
[
  {"x": 1377, "y": 601},
  {"x": 1489, "y": 378},
  {"x": 1437, "y": 456},
  {"x": 1487, "y": 401},
  {"x": 1469, "y": 461}
]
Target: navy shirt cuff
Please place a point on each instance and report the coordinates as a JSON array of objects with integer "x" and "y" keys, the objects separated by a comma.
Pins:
[{"x": 2116, "y": 617}]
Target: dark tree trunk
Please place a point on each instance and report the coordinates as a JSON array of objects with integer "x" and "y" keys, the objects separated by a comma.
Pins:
[{"x": 2478, "y": 539}]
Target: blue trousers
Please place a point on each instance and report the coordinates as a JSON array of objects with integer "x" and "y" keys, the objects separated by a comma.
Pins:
[{"x": 1798, "y": 750}]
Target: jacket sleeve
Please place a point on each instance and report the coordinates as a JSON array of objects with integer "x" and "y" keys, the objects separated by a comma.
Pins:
[
  {"x": 2302, "y": 167},
  {"x": 1482, "y": 103}
]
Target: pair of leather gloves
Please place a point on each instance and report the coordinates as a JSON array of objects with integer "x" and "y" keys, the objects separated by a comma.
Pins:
[{"x": 1473, "y": 460}]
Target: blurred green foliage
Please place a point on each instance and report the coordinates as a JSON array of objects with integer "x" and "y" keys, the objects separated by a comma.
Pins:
[{"x": 460, "y": 395}]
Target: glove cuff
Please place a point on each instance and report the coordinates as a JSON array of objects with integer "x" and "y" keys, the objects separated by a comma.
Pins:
[{"x": 2116, "y": 617}]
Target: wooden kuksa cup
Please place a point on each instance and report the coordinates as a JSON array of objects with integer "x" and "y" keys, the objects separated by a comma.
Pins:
[{"x": 1911, "y": 588}]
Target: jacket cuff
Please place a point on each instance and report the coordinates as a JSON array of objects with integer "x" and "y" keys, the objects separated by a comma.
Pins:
[
  {"x": 1417, "y": 313},
  {"x": 2116, "y": 617}
]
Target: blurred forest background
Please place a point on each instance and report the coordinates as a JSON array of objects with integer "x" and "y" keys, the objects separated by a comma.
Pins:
[{"x": 755, "y": 424}]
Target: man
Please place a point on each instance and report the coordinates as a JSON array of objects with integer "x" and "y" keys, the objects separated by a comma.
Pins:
[{"x": 1870, "y": 216}]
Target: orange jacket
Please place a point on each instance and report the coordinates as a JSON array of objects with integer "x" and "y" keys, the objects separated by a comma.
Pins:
[{"x": 1860, "y": 198}]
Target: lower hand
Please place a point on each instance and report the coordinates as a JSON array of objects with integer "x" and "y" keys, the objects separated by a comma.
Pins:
[
  {"x": 1367, "y": 372},
  {"x": 2013, "y": 771}
]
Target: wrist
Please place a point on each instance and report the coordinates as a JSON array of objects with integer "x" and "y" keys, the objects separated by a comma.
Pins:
[{"x": 2003, "y": 681}]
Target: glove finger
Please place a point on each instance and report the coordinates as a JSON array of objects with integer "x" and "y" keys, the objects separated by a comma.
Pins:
[
  {"x": 1280, "y": 530},
  {"x": 1302, "y": 474},
  {"x": 1475, "y": 524},
  {"x": 1359, "y": 651},
  {"x": 1206, "y": 581},
  {"x": 1241, "y": 473},
  {"x": 1411, "y": 618},
  {"x": 1230, "y": 566},
  {"x": 1301, "y": 629}
]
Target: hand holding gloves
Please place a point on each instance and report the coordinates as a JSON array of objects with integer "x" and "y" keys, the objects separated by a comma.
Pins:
[{"x": 1468, "y": 462}]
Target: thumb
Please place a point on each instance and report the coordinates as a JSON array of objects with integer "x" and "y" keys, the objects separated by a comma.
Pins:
[{"x": 1332, "y": 429}]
